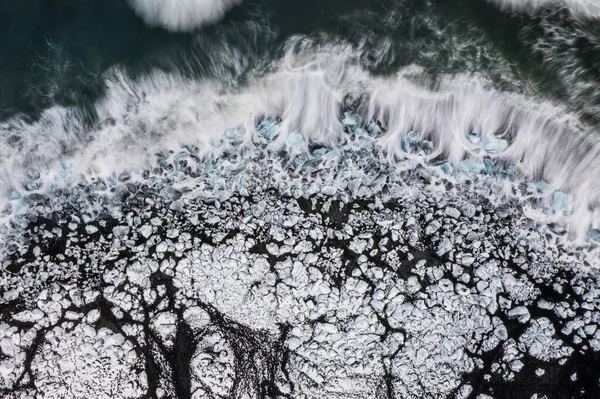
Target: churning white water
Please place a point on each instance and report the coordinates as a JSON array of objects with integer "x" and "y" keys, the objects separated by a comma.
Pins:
[
  {"x": 579, "y": 8},
  {"x": 308, "y": 93},
  {"x": 181, "y": 15}
]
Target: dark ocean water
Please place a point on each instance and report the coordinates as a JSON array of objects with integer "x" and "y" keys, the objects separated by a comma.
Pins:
[
  {"x": 299, "y": 199},
  {"x": 56, "y": 52}
]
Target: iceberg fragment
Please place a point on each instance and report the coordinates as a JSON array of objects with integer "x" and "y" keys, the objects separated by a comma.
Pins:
[
  {"x": 447, "y": 168},
  {"x": 350, "y": 119},
  {"x": 474, "y": 138},
  {"x": 14, "y": 195},
  {"x": 329, "y": 190},
  {"x": 296, "y": 141},
  {"x": 494, "y": 145},
  {"x": 411, "y": 140},
  {"x": 319, "y": 152},
  {"x": 471, "y": 167},
  {"x": 269, "y": 128},
  {"x": 561, "y": 202},
  {"x": 432, "y": 227},
  {"x": 397, "y": 191}
]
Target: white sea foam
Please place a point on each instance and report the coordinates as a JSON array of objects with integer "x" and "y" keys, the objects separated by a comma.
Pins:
[
  {"x": 181, "y": 15},
  {"x": 579, "y": 8},
  {"x": 307, "y": 90}
]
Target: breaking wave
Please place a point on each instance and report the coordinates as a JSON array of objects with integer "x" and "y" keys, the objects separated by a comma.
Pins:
[
  {"x": 579, "y": 8},
  {"x": 181, "y": 15},
  {"x": 307, "y": 90}
]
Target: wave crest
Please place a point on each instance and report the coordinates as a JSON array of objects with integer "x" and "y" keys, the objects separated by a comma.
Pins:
[
  {"x": 589, "y": 9},
  {"x": 181, "y": 15},
  {"x": 307, "y": 91}
]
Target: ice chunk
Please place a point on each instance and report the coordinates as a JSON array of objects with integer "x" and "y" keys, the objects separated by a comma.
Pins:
[
  {"x": 350, "y": 119},
  {"x": 443, "y": 247},
  {"x": 91, "y": 229},
  {"x": 468, "y": 210},
  {"x": 120, "y": 231},
  {"x": 452, "y": 212},
  {"x": 494, "y": 145},
  {"x": 540, "y": 186},
  {"x": 410, "y": 141},
  {"x": 296, "y": 141},
  {"x": 446, "y": 168},
  {"x": 397, "y": 191},
  {"x": 269, "y": 128},
  {"x": 176, "y": 206},
  {"x": 474, "y": 138},
  {"x": 520, "y": 313},
  {"x": 234, "y": 134},
  {"x": 432, "y": 227},
  {"x": 14, "y": 195},
  {"x": 328, "y": 190},
  {"x": 318, "y": 153},
  {"x": 145, "y": 231},
  {"x": 561, "y": 202},
  {"x": 374, "y": 129},
  {"x": 594, "y": 235},
  {"x": 426, "y": 146},
  {"x": 472, "y": 167}
]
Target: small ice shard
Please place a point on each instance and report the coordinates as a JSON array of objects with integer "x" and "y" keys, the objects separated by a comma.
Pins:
[
  {"x": 516, "y": 365},
  {"x": 410, "y": 140},
  {"x": 594, "y": 235},
  {"x": 350, "y": 119},
  {"x": 490, "y": 166},
  {"x": 540, "y": 372},
  {"x": 318, "y": 153},
  {"x": 32, "y": 186},
  {"x": 208, "y": 166},
  {"x": 312, "y": 189},
  {"x": 91, "y": 229},
  {"x": 296, "y": 141},
  {"x": 426, "y": 146},
  {"x": 561, "y": 202},
  {"x": 125, "y": 176},
  {"x": 520, "y": 313},
  {"x": 540, "y": 186},
  {"x": 472, "y": 167},
  {"x": 397, "y": 191},
  {"x": 452, "y": 212},
  {"x": 6, "y": 367},
  {"x": 300, "y": 161},
  {"x": 328, "y": 190},
  {"x": 33, "y": 175},
  {"x": 494, "y": 145},
  {"x": 120, "y": 231},
  {"x": 443, "y": 247},
  {"x": 234, "y": 134},
  {"x": 14, "y": 195},
  {"x": 176, "y": 206},
  {"x": 269, "y": 128},
  {"x": 145, "y": 231},
  {"x": 468, "y": 210},
  {"x": 432, "y": 227},
  {"x": 374, "y": 129},
  {"x": 446, "y": 168},
  {"x": 474, "y": 138}
]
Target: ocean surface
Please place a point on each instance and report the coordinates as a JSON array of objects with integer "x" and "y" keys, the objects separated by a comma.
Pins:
[{"x": 299, "y": 199}]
